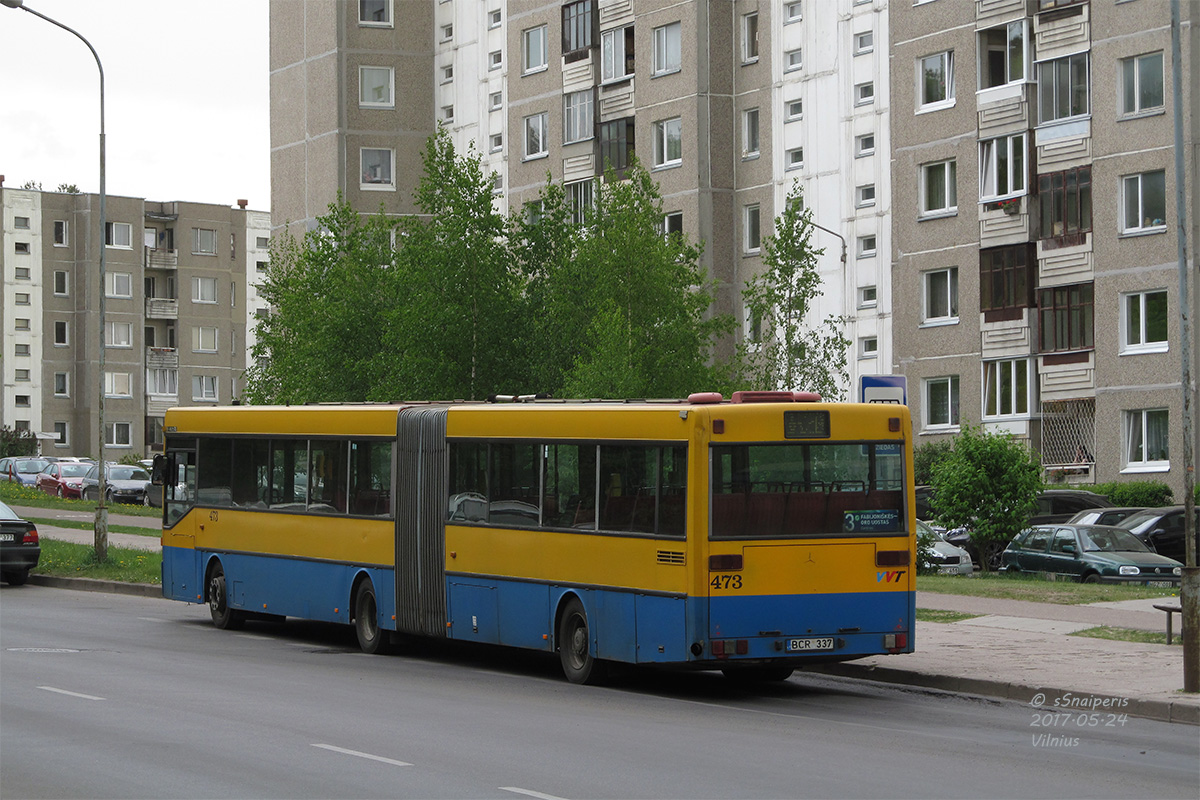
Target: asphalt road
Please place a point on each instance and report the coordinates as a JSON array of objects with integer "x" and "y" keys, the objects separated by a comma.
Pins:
[{"x": 126, "y": 697}]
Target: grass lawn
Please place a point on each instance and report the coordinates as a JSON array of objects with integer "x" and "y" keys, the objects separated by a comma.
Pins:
[
  {"x": 1128, "y": 635},
  {"x": 87, "y": 526},
  {"x": 66, "y": 560},
  {"x": 938, "y": 615},
  {"x": 1031, "y": 587},
  {"x": 16, "y": 495}
]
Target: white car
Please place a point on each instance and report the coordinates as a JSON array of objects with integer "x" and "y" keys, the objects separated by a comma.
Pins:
[{"x": 949, "y": 559}]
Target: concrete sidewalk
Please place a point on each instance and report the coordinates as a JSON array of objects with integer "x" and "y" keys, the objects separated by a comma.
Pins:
[{"x": 80, "y": 536}]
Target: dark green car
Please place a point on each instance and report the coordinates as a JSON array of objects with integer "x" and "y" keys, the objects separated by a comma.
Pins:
[{"x": 1090, "y": 554}]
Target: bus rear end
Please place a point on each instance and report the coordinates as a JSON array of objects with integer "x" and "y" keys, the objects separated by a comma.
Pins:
[{"x": 811, "y": 540}]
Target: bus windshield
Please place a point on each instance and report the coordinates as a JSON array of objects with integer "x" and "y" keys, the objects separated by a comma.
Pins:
[{"x": 807, "y": 489}]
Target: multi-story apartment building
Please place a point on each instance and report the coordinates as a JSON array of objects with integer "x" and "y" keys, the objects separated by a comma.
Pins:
[
  {"x": 728, "y": 102},
  {"x": 1035, "y": 269},
  {"x": 178, "y": 305}
]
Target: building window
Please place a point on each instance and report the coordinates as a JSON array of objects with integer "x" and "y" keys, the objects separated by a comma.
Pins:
[
  {"x": 939, "y": 188},
  {"x": 793, "y": 60},
  {"x": 494, "y": 18},
  {"x": 21, "y": 375},
  {"x": 204, "y": 290},
  {"x": 498, "y": 184},
  {"x": 616, "y": 54},
  {"x": 62, "y": 385},
  {"x": 447, "y": 33},
  {"x": 1144, "y": 322},
  {"x": 1005, "y": 282},
  {"x": 448, "y": 113},
  {"x": 941, "y": 297},
  {"x": 22, "y": 323},
  {"x": 376, "y": 87},
  {"x": 1066, "y": 203},
  {"x": 935, "y": 81},
  {"x": 794, "y": 158},
  {"x": 577, "y": 29},
  {"x": 673, "y": 223},
  {"x": 864, "y": 195},
  {"x": 1006, "y": 387},
  {"x": 375, "y": 13},
  {"x": 21, "y": 349},
  {"x": 22, "y": 299},
  {"x": 1002, "y": 167},
  {"x": 60, "y": 233},
  {"x": 118, "y": 334},
  {"x": 864, "y": 145},
  {"x": 868, "y": 347},
  {"x": 116, "y": 434},
  {"x": 62, "y": 333},
  {"x": 793, "y": 12},
  {"x": 495, "y": 60},
  {"x": 750, "y": 133},
  {"x": 1063, "y": 87},
  {"x": 866, "y": 246},
  {"x": 578, "y": 116},
  {"x": 615, "y": 142},
  {"x": 867, "y": 297},
  {"x": 204, "y": 387},
  {"x": 118, "y": 384},
  {"x": 62, "y": 434},
  {"x": 751, "y": 241},
  {"x": 376, "y": 166},
  {"x": 496, "y": 101},
  {"x": 1147, "y": 437},
  {"x": 21, "y": 223},
  {"x": 536, "y": 55},
  {"x": 1002, "y": 55},
  {"x": 1144, "y": 202},
  {"x": 496, "y": 142},
  {"x": 204, "y": 340},
  {"x": 118, "y": 284},
  {"x": 448, "y": 73},
  {"x": 162, "y": 381},
  {"x": 204, "y": 242},
  {"x": 668, "y": 143},
  {"x": 941, "y": 402},
  {"x": 580, "y": 196},
  {"x": 1142, "y": 83},
  {"x": 864, "y": 93},
  {"x": 262, "y": 242},
  {"x": 62, "y": 284},
  {"x": 749, "y": 38},
  {"x": 1066, "y": 318},
  {"x": 795, "y": 110},
  {"x": 667, "y": 48},
  {"x": 864, "y": 42},
  {"x": 22, "y": 401},
  {"x": 21, "y": 248},
  {"x": 537, "y": 142},
  {"x": 118, "y": 234}
]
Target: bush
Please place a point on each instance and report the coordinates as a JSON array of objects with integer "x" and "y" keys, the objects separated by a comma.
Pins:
[
  {"x": 17, "y": 443},
  {"x": 926, "y": 457},
  {"x": 925, "y": 552},
  {"x": 1136, "y": 493}
]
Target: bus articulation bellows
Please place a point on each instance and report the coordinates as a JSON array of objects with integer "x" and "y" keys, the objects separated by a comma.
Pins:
[{"x": 753, "y": 535}]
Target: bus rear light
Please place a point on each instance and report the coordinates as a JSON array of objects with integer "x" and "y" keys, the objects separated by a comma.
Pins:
[
  {"x": 894, "y": 424},
  {"x": 891, "y": 558},
  {"x": 895, "y": 641},
  {"x": 718, "y": 426},
  {"x": 718, "y": 647},
  {"x": 725, "y": 563},
  {"x": 743, "y": 647}
]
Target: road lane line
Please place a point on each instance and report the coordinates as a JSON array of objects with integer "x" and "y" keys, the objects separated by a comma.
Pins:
[
  {"x": 363, "y": 755},
  {"x": 70, "y": 694},
  {"x": 529, "y": 793}
]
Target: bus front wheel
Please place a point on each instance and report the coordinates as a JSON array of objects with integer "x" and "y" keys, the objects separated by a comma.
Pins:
[
  {"x": 574, "y": 650},
  {"x": 371, "y": 638},
  {"x": 224, "y": 617}
]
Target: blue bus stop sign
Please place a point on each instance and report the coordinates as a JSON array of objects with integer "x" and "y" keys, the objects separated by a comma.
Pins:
[{"x": 883, "y": 389}]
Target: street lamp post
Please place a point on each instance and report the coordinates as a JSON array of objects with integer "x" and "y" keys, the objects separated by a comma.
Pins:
[{"x": 101, "y": 526}]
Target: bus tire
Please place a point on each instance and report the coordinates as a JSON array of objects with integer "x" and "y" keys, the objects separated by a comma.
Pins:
[
  {"x": 224, "y": 617},
  {"x": 574, "y": 638},
  {"x": 371, "y": 638}
]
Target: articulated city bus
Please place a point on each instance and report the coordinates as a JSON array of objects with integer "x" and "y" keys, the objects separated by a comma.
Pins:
[{"x": 751, "y": 535}]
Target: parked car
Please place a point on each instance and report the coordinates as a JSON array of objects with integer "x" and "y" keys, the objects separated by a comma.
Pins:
[
  {"x": 1090, "y": 554},
  {"x": 24, "y": 470},
  {"x": 123, "y": 484},
  {"x": 1161, "y": 529},
  {"x": 62, "y": 478},
  {"x": 1103, "y": 516},
  {"x": 19, "y": 547},
  {"x": 950, "y": 560},
  {"x": 1059, "y": 505}
]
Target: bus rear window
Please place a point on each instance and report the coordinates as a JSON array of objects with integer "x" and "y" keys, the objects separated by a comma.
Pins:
[{"x": 810, "y": 489}]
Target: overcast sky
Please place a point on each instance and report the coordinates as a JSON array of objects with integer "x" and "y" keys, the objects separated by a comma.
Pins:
[{"x": 185, "y": 89}]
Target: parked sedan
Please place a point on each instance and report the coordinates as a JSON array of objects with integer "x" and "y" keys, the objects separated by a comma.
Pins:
[
  {"x": 1161, "y": 529},
  {"x": 19, "y": 547},
  {"x": 948, "y": 559},
  {"x": 1104, "y": 516},
  {"x": 63, "y": 478},
  {"x": 24, "y": 470},
  {"x": 1090, "y": 554},
  {"x": 123, "y": 484}
]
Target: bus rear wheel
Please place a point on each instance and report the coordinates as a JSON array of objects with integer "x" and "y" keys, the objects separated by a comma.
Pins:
[
  {"x": 224, "y": 617},
  {"x": 574, "y": 639},
  {"x": 371, "y": 638}
]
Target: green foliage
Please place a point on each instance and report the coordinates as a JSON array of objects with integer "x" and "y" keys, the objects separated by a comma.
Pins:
[
  {"x": 17, "y": 442},
  {"x": 35, "y": 185},
  {"x": 926, "y": 457},
  {"x": 989, "y": 483},
  {"x": 1136, "y": 493},
  {"x": 784, "y": 352},
  {"x": 67, "y": 188},
  {"x": 131, "y": 459},
  {"x": 925, "y": 552},
  {"x": 68, "y": 560}
]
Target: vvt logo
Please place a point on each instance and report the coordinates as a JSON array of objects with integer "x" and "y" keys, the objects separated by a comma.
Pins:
[{"x": 889, "y": 577}]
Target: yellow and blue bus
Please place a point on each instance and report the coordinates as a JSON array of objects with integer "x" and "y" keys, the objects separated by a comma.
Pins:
[{"x": 752, "y": 535}]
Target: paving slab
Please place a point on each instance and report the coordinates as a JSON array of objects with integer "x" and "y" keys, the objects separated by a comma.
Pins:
[{"x": 1026, "y": 624}]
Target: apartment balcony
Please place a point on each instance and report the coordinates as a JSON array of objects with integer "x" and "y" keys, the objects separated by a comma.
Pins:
[
  {"x": 1006, "y": 222},
  {"x": 162, "y": 308},
  {"x": 162, "y": 358},
  {"x": 156, "y": 258},
  {"x": 157, "y": 404}
]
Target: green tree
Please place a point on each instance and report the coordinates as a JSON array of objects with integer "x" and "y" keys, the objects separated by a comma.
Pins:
[
  {"x": 988, "y": 483},
  {"x": 783, "y": 352},
  {"x": 926, "y": 457},
  {"x": 15, "y": 442},
  {"x": 67, "y": 188},
  {"x": 35, "y": 185}
]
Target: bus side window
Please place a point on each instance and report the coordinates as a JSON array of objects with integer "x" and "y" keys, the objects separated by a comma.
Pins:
[{"x": 371, "y": 478}]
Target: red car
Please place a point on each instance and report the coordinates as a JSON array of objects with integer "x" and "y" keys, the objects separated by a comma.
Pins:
[{"x": 63, "y": 478}]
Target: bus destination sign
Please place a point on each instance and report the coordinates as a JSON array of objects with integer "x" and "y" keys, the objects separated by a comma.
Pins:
[{"x": 812, "y": 424}]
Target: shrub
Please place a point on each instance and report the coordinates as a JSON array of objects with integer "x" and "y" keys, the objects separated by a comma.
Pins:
[
  {"x": 926, "y": 456},
  {"x": 17, "y": 442},
  {"x": 925, "y": 552},
  {"x": 1136, "y": 493}
]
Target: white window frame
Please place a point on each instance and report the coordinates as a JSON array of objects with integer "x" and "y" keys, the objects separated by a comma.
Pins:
[
  {"x": 1002, "y": 160},
  {"x": 118, "y": 434},
  {"x": 202, "y": 332},
  {"x": 448, "y": 113},
  {"x": 868, "y": 296},
  {"x": 944, "y": 284},
  {"x": 204, "y": 289},
  {"x": 66, "y": 283},
  {"x": 868, "y": 347},
  {"x": 1135, "y": 440},
  {"x": 22, "y": 273},
  {"x": 162, "y": 382},
  {"x": 118, "y": 285},
  {"x": 496, "y": 142},
  {"x": 864, "y": 93},
  {"x": 118, "y": 334},
  {"x": 448, "y": 73},
  {"x": 793, "y": 12},
  {"x": 205, "y": 388},
  {"x": 204, "y": 242},
  {"x": 794, "y": 110},
  {"x": 949, "y": 189},
  {"x": 536, "y": 125},
  {"x": 21, "y": 223},
  {"x": 447, "y": 32},
  {"x": 62, "y": 233},
  {"x": 613, "y": 62},
  {"x": 1052, "y": 84},
  {"x": 389, "y": 82},
  {"x": 864, "y": 196},
  {"x": 668, "y": 48},
  {"x": 535, "y": 50},
  {"x": 62, "y": 434},
  {"x": 953, "y": 407},
  {"x": 22, "y": 299},
  {"x": 118, "y": 384},
  {"x": 794, "y": 158},
  {"x": 868, "y": 245},
  {"x": 750, "y": 38},
  {"x": 864, "y": 145},
  {"x": 1023, "y": 57},
  {"x": 924, "y": 103},
  {"x": 579, "y": 116},
  {"x": 666, "y": 132},
  {"x": 65, "y": 390},
  {"x": 496, "y": 101},
  {"x": 62, "y": 333},
  {"x": 1002, "y": 370},
  {"x": 495, "y": 17},
  {"x": 21, "y": 349},
  {"x": 1132, "y": 77},
  {"x": 495, "y": 60},
  {"x": 751, "y": 229},
  {"x": 1133, "y": 185},
  {"x": 23, "y": 324},
  {"x": 1134, "y": 313},
  {"x": 118, "y": 235},
  {"x": 386, "y": 23},
  {"x": 581, "y": 199},
  {"x": 373, "y": 174},
  {"x": 793, "y": 60},
  {"x": 751, "y": 134},
  {"x": 864, "y": 42}
]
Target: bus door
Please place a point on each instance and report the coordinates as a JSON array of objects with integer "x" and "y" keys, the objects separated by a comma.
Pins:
[{"x": 180, "y": 565}]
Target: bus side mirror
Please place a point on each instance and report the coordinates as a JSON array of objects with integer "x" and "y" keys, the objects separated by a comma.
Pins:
[{"x": 158, "y": 470}]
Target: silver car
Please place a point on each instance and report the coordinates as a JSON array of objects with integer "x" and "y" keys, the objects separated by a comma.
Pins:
[
  {"x": 123, "y": 484},
  {"x": 949, "y": 559}
]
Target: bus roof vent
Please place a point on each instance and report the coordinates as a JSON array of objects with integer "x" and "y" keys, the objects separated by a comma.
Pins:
[
  {"x": 705, "y": 398},
  {"x": 776, "y": 397},
  {"x": 806, "y": 397}
]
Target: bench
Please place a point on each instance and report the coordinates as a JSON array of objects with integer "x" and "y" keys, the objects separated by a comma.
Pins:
[{"x": 1170, "y": 610}]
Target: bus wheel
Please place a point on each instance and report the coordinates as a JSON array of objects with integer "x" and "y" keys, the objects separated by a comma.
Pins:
[
  {"x": 573, "y": 639},
  {"x": 224, "y": 617},
  {"x": 758, "y": 674},
  {"x": 371, "y": 639}
]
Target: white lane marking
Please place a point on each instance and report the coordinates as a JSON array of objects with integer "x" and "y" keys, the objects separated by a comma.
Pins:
[
  {"x": 529, "y": 793},
  {"x": 70, "y": 694},
  {"x": 363, "y": 755}
]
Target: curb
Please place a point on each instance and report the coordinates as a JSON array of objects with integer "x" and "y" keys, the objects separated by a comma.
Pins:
[
  {"x": 93, "y": 585},
  {"x": 1160, "y": 710}
]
